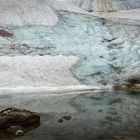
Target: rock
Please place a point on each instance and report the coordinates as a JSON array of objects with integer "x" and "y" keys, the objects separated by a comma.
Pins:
[
  {"x": 19, "y": 133},
  {"x": 129, "y": 81},
  {"x": 67, "y": 117},
  {"x": 127, "y": 87},
  {"x": 17, "y": 117},
  {"x": 114, "y": 111},
  {"x": 4, "y": 33},
  {"x": 135, "y": 87},
  {"x": 131, "y": 77},
  {"x": 124, "y": 87},
  {"x": 60, "y": 120},
  {"x": 135, "y": 80}
]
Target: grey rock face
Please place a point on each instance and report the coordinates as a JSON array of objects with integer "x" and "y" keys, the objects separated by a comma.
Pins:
[{"x": 106, "y": 5}]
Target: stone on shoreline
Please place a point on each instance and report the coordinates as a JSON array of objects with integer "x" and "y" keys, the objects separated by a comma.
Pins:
[
  {"x": 17, "y": 117},
  {"x": 127, "y": 87}
]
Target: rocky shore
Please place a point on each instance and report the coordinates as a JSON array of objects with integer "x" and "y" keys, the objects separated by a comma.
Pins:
[{"x": 15, "y": 122}]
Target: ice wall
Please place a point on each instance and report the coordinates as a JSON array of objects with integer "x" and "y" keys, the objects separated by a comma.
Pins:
[{"x": 106, "y": 49}]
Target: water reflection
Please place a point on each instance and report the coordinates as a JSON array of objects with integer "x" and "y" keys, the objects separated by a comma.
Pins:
[{"x": 93, "y": 116}]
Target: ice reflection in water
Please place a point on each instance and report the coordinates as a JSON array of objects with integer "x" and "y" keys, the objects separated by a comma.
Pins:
[{"x": 94, "y": 115}]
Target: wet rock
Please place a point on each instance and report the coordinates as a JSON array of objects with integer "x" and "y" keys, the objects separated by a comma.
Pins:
[
  {"x": 60, "y": 120},
  {"x": 127, "y": 87},
  {"x": 19, "y": 133},
  {"x": 4, "y": 33},
  {"x": 135, "y": 87},
  {"x": 114, "y": 111},
  {"x": 124, "y": 87},
  {"x": 17, "y": 117},
  {"x": 67, "y": 117},
  {"x": 129, "y": 83}
]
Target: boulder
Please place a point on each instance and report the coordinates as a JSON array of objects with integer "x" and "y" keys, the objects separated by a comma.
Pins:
[
  {"x": 17, "y": 117},
  {"x": 4, "y": 33},
  {"x": 19, "y": 133},
  {"x": 128, "y": 87}
]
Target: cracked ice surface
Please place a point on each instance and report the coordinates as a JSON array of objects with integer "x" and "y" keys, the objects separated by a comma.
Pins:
[{"x": 105, "y": 48}]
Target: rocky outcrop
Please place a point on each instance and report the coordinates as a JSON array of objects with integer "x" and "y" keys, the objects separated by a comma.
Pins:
[
  {"x": 128, "y": 82},
  {"x": 128, "y": 87},
  {"x": 16, "y": 122},
  {"x": 106, "y": 5}
]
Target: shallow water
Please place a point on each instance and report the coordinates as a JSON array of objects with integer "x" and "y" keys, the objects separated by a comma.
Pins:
[{"x": 92, "y": 116}]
